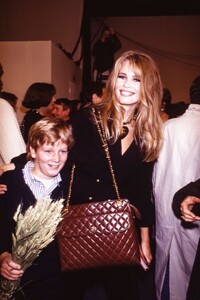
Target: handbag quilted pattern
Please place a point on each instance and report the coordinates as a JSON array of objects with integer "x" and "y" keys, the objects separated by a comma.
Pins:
[{"x": 98, "y": 234}]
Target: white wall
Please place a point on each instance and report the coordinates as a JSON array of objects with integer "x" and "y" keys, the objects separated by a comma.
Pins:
[
  {"x": 40, "y": 61},
  {"x": 42, "y": 20}
]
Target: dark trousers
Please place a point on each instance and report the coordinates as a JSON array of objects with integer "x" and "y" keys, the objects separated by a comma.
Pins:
[
  {"x": 165, "y": 289},
  {"x": 47, "y": 289},
  {"x": 117, "y": 283},
  {"x": 193, "y": 292}
]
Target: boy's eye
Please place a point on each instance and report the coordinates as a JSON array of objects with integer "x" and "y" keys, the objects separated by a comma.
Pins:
[
  {"x": 47, "y": 151},
  {"x": 63, "y": 151}
]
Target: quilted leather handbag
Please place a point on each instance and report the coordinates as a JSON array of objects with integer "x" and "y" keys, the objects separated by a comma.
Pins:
[{"x": 98, "y": 234}]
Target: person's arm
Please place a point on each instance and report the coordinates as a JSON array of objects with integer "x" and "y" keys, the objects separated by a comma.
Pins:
[
  {"x": 186, "y": 201},
  {"x": 6, "y": 167},
  {"x": 145, "y": 244},
  {"x": 186, "y": 209},
  {"x": 12, "y": 143}
]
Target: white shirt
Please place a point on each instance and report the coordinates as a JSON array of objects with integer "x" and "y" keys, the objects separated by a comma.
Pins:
[
  {"x": 11, "y": 140},
  {"x": 177, "y": 165},
  {"x": 40, "y": 188}
]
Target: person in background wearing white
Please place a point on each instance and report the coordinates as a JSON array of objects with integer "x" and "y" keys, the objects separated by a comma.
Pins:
[
  {"x": 177, "y": 165},
  {"x": 11, "y": 140}
]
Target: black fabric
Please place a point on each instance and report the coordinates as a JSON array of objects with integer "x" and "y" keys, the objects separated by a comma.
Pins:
[
  {"x": 117, "y": 283},
  {"x": 104, "y": 53},
  {"x": 30, "y": 118},
  {"x": 193, "y": 292},
  {"x": 47, "y": 265}
]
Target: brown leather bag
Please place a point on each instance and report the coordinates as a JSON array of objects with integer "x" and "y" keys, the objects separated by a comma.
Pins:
[{"x": 98, "y": 234}]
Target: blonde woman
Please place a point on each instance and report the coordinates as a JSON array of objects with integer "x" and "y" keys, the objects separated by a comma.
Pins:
[{"x": 131, "y": 121}]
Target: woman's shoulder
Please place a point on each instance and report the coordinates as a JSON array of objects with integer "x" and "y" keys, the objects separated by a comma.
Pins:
[
  {"x": 32, "y": 114},
  {"x": 81, "y": 117},
  {"x": 20, "y": 160}
]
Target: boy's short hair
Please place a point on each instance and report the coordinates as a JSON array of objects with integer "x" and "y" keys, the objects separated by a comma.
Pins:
[
  {"x": 65, "y": 103},
  {"x": 49, "y": 130}
]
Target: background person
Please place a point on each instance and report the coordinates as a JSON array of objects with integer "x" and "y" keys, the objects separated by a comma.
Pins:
[
  {"x": 103, "y": 51},
  {"x": 39, "y": 98},
  {"x": 186, "y": 205},
  {"x": 177, "y": 164},
  {"x": 11, "y": 98},
  {"x": 93, "y": 94},
  {"x": 11, "y": 140},
  {"x": 62, "y": 108}
]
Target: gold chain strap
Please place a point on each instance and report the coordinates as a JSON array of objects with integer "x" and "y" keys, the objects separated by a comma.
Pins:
[
  {"x": 70, "y": 189},
  {"x": 106, "y": 149}
]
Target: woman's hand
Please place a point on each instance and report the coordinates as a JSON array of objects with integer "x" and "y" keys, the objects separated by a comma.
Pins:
[
  {"x": 146, "y": 252},
  {"x": 145, "y": 245},
  {"x": 8, "y": 268},
  {"x": 186, "y": 207}
]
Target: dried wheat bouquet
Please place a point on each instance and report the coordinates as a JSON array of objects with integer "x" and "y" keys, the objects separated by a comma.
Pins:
[{"x": 34, "y": 230}]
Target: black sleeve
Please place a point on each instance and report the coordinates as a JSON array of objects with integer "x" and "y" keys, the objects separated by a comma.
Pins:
[
  {"x": 145, "y": 204},
  {"x": 116, "y": 42},
  {"x": 191, "y": 189},
  {"x": 6, "y": 222},
  {"x": 20, "y": 160}
]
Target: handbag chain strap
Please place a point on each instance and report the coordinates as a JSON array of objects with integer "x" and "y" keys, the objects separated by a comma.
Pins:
[{"x": 106, "y": 149}]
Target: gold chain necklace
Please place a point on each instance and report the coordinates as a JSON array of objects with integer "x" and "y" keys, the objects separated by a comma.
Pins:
[{"x": 125, "y": 130}]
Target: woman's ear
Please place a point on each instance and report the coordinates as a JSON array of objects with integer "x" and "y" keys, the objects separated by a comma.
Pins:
[{"x": 32, "y": 152}]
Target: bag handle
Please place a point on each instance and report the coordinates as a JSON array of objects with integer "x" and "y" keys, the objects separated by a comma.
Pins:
[{"x": 106, "y": 149}]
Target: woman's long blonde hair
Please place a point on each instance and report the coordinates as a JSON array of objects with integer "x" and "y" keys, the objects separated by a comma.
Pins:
[{"x": 148, "y": 126}]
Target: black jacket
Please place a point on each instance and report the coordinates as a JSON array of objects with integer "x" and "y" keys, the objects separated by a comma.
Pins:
[
  {"x": 93, "y": 181},
  {"x": 47, "y": 265}
]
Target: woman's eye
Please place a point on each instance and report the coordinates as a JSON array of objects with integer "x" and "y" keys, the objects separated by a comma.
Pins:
[
  {"x": 121, "y": 76},
  {"x": 47, "y": 151},
  {"x": 136, "y": 79}
]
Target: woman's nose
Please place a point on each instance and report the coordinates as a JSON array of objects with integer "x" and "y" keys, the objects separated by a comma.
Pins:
[{"x": 127, "y": 82}]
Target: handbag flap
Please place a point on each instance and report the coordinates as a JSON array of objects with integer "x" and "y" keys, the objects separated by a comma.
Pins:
[
  {"x": 109, "y": 223},
  {"x": 104, "y": 217}
]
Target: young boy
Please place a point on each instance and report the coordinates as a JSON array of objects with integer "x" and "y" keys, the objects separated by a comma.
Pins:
[{"x": 47, "y": 151}]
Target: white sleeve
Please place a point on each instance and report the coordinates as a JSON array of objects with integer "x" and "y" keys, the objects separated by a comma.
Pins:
[{"x": 11, "y": 140}]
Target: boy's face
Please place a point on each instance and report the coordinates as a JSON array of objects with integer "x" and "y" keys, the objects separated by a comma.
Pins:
[{"x": 49, "y": 159}]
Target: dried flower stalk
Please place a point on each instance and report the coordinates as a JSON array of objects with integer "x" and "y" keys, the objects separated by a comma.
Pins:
[{"x": 34, "y": 230}]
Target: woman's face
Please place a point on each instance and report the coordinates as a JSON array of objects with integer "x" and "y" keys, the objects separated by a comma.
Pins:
[
  {"x": 47, "y": 110},
  {"x": 127, "y": 88}
]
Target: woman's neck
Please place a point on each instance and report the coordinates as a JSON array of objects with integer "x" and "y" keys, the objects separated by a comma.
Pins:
[{"x": 129, "y": 115}]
